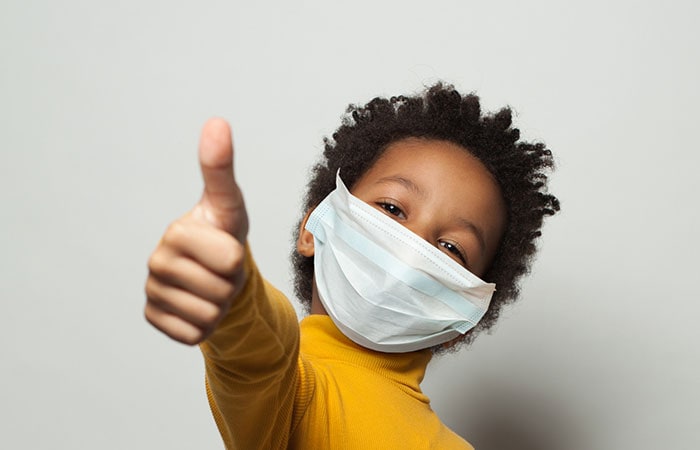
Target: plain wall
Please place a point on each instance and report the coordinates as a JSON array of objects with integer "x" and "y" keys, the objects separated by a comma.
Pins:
[{"x": 101, "y": 104}]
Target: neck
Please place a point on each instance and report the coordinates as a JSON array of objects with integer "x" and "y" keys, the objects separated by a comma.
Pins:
[{"x": 316, "y": 305}]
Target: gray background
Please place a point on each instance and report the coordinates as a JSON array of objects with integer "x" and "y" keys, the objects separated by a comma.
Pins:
[{"x": 101, "y": 104}]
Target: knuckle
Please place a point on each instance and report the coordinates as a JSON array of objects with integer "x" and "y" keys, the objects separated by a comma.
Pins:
[
  {"x": 147, "y": 314},
  {"x": 151, "y": 289},
  {"x": 192, "y": 337},
  {"x": 183, "y": 333},
  {"x": 175, "y": 234},
  {"x": 151, "y": 316},
  {"x": 208, "y": 314},
  {"x": 226, "y": 292},
  {"x": 157, "y": 263}
]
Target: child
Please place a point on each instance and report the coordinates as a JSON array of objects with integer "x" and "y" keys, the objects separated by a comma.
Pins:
[{"x": 415, "y": 201}]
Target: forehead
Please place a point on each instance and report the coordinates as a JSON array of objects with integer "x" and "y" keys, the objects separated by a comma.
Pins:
[
  {"x": 442, "y": 169},
  {"x": 441, "y": 160}
]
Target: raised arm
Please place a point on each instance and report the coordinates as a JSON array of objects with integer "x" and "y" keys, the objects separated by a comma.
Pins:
[
  {"x": 203, "y": 288},
  {"x": 197, "y": 268}
]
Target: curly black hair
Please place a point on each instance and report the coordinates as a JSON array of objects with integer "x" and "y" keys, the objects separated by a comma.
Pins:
[{"x": 440, "y": 112}]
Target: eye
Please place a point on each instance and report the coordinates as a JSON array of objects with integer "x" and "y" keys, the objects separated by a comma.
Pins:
[
  {"x": 392, "y": 209},
  {"x": 455, "y": 250}
]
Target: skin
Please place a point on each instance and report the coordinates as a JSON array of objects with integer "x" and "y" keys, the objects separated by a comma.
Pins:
[
  {"x": 196, "y": 269},
  {"x": 439, "y": 191},
  {"x": 435, "y": 188}
]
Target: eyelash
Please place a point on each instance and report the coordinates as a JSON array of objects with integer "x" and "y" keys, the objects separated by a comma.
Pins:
[
  {"x": 455, "y": 249},
  {"x": 391, "y": 209},
  {"x": 451, "y": 247}
]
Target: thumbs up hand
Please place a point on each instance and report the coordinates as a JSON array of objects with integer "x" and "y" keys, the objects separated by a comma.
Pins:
[{"x": 197, "y": 268}]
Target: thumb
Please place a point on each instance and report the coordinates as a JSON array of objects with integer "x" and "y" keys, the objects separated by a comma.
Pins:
[{"x": 222, "y": 201}]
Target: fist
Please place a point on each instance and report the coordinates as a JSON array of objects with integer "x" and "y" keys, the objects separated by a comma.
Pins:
[{"x": 196, "y": 270}]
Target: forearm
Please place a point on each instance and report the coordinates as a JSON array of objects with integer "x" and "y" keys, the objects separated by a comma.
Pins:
[{"x": 251, "y": 366}]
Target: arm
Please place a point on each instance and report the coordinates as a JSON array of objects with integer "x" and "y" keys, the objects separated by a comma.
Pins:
[
  {"x": 250, "y": 364},
  {"x": 203, "y": 287}
]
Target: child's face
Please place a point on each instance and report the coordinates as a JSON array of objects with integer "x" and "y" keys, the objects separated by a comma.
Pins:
[{"x": 442, "y": 193}]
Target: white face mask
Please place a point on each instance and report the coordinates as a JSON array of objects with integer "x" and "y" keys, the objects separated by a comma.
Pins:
[{"x": 385, "y": 287}]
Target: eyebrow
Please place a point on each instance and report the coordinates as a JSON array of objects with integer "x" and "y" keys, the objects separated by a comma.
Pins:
[
  {"x": 477, "y": 232},
  {"x": 413, "y": 187},
  {"x": 405, "y": 182}
]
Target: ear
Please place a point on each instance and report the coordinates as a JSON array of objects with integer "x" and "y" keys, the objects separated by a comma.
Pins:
[{"x": 305, "y": 243}]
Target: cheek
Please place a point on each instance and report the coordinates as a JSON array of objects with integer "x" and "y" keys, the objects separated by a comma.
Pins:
[{"x": 481, "y": 268}]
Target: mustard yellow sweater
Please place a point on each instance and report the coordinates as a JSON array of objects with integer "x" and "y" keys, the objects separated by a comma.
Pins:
[{"x": 274, "y": 383}]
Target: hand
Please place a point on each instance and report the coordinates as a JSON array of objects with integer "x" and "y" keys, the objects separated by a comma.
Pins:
[{"x": 197, "y": 268}]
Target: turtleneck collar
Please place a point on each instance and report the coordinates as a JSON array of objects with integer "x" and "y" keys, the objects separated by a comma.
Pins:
[{"x": 321, "y": 339}]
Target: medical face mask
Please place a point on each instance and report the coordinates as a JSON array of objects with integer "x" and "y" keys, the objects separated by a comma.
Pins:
[{"x": 385, "y": 287}]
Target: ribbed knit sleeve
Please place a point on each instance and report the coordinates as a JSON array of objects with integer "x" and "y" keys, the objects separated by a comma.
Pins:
[{"x": 251, "y": 367}]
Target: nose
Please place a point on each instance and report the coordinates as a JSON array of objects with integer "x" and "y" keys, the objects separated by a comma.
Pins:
[{"x": 422, "y": 229}]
